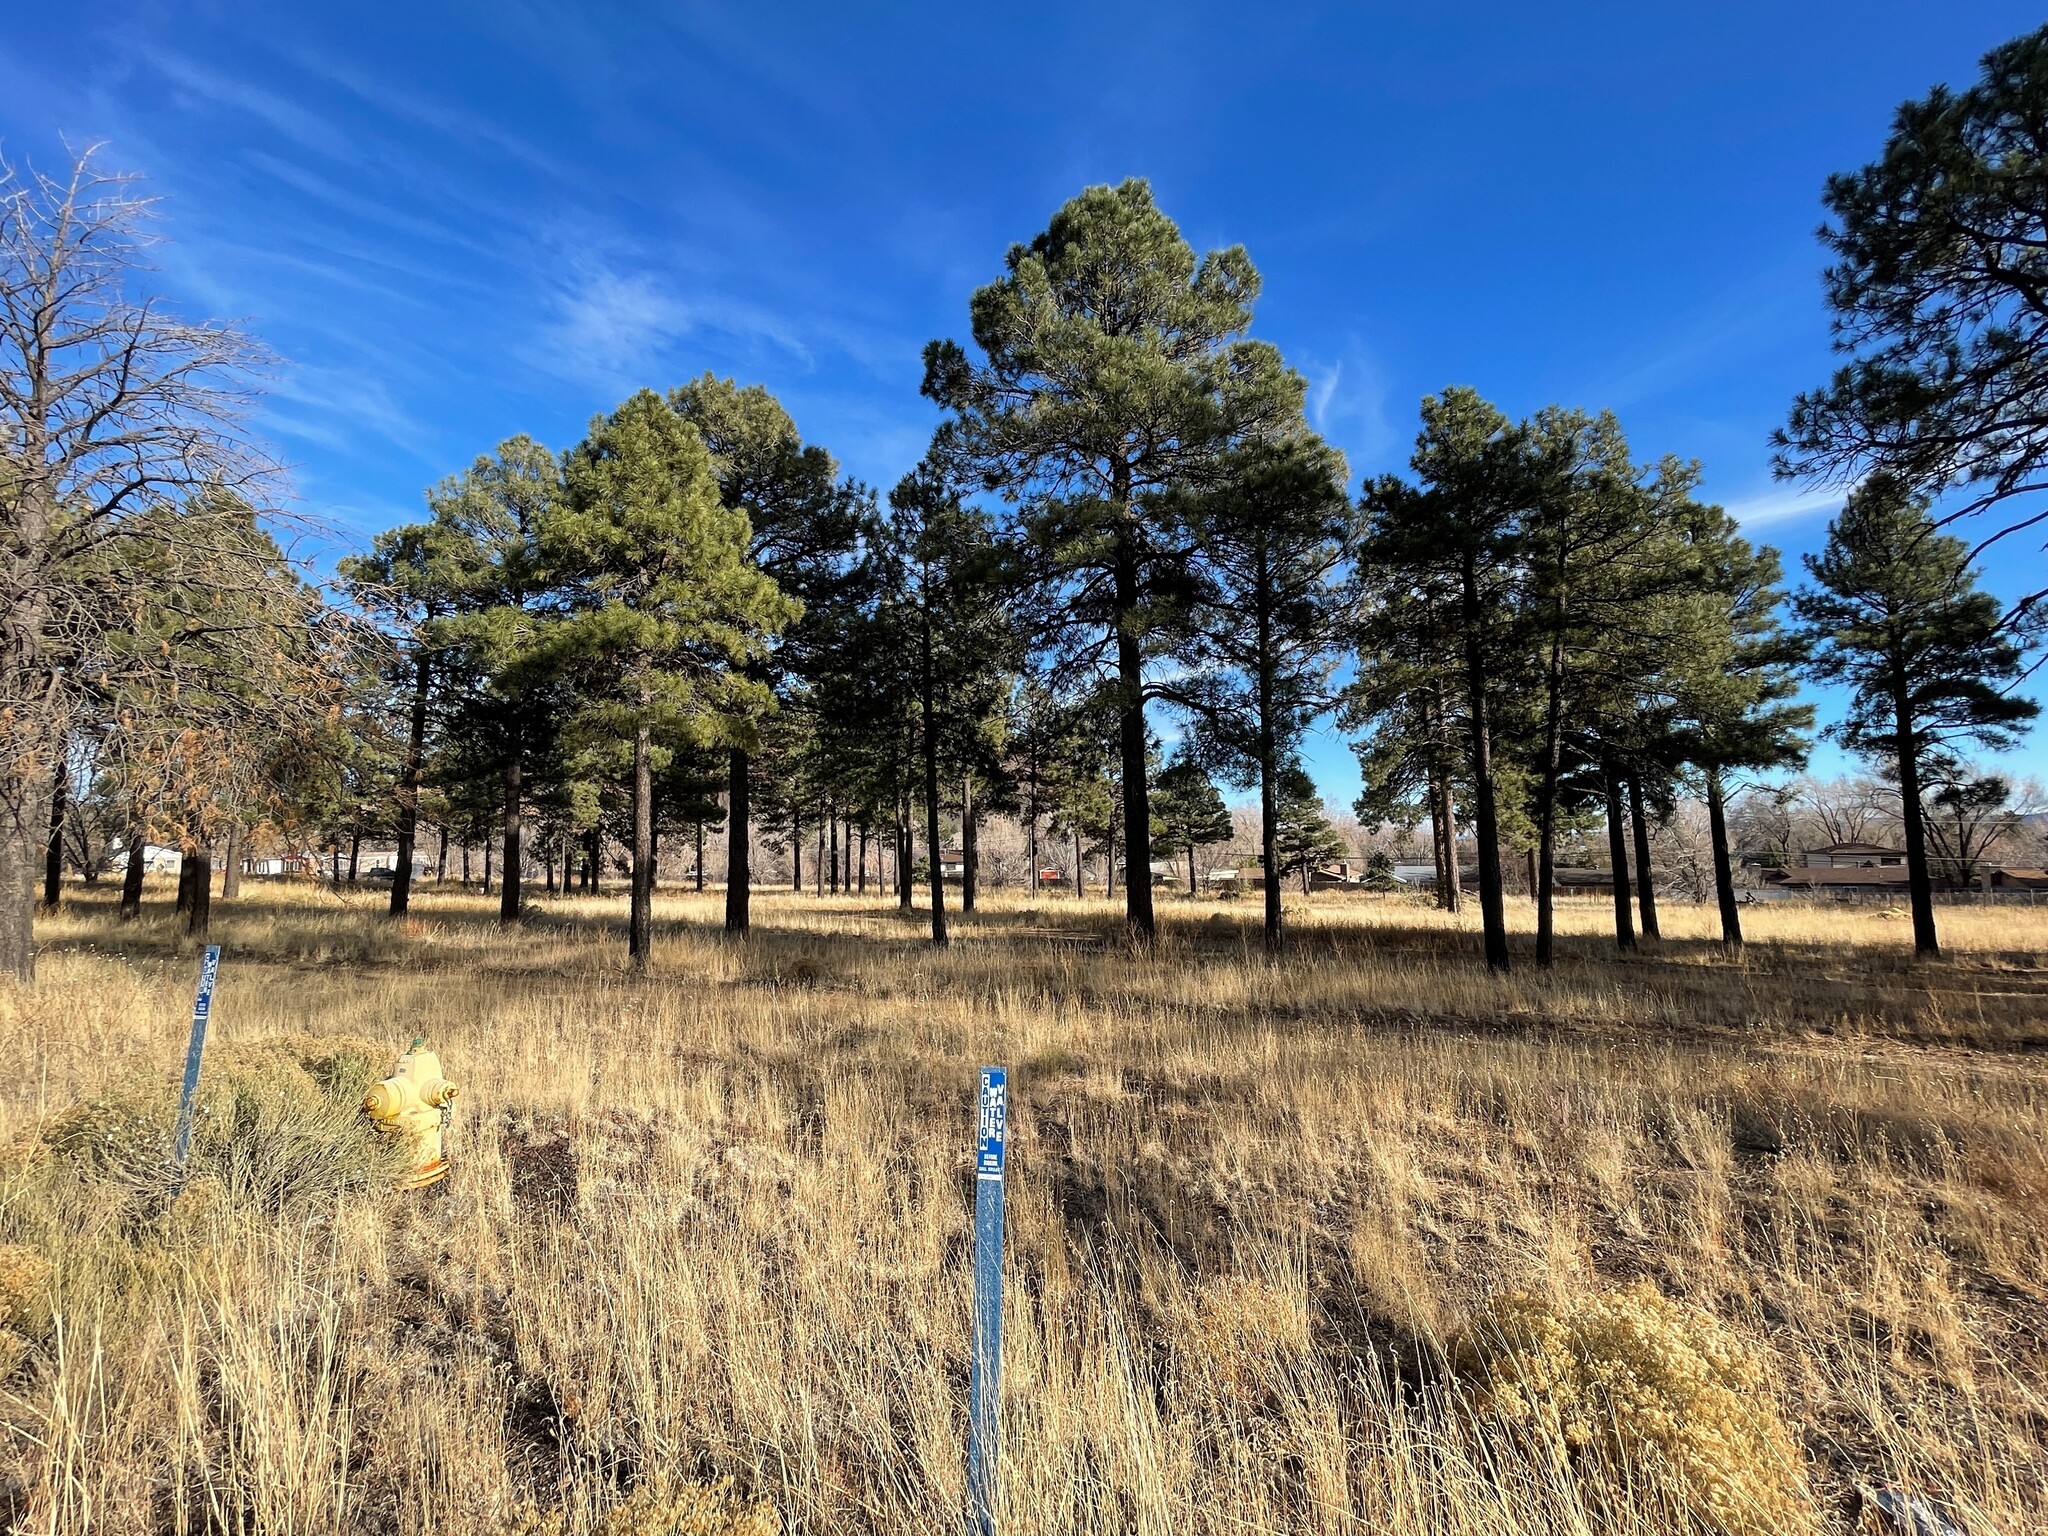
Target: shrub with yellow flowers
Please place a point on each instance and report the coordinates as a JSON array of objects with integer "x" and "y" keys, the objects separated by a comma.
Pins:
[{"x": 1639, "y": 1389}]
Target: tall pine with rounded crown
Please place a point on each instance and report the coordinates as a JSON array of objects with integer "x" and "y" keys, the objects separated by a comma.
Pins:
[
  {"x": 1114, "y": 366},
  {"x": 1895, "y": 615},
  {"x": 661, "y": 609}
]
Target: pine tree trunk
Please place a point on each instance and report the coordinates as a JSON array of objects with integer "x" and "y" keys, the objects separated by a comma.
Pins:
[
  {"x": 199, "y": 856},
  {"x": 1194, "y": 887},
  {"x": 1454, "y": 881},
  {"x": 1269, "y": 846},
  {"x": 510, "y": 878},
  {"x": 1546, "y": 792},
  {"x": 1724, "y": 872},
  {"x": 132, "y": 877},
  {"x": 409, "y": 787},
  {"x": 231, "y": 875},
  {"x": 547, "y": 871},
  {"x": 183, "y": 905},
  {"x": 1436, "y": 844},
  {"x": 737, "y": 874},
  {"x": 53, "y": 849},
  {"x": 700, "y": 855},
  {"x": 1646, "y": 880},
  {"x": 490, "y": 851},
  {"x": 1617, "y": 855},
  {"x": 1492, "y": 910},
  {"x": 970, "y": 849},
  {"x": 597, "y": 861},
  {"x": 928, "y": 733},
  {"x": 1131, "y": 725},
  {"x": 355, "y": 851},
  {"x": 863, "y": 856},
  {"x": 1919, "y": 879},
  {"x": 441, "y": 860},
  {"x": 640, "y": 926},
  {"x": 1080, "y": 883},
  {"x": 904, "y": 858}
]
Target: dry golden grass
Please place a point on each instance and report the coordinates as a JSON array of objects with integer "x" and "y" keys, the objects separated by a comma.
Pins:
[{"x": 1264, "y": 1222}]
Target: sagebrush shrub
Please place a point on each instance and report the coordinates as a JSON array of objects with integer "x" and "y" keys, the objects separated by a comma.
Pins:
[
  {"x": 1646, "y": 1389},
  {"x": 278, "y": 1122}
]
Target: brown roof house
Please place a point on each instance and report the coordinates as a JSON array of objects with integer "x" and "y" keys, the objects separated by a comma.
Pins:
[{"x": 1855, "y": 856}]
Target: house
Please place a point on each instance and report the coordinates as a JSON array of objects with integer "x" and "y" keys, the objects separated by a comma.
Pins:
[
  {"x": 1854, "y": 856},
  {"x": 2016, "y": 880},
  {"x": 1842, "y": 882},
  {"x": 1324, "y": 877},
  {"x": 1051, "y": 876},
  {"x": 953, "y": 864},
  {"x": 1163, "y": 870},
  {"x": 1582, "y": 882}
]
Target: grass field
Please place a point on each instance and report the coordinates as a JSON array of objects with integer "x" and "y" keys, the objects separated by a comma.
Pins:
[{"x": 1364, "y": 1241}]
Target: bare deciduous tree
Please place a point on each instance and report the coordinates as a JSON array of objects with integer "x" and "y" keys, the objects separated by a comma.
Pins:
[{"x": 110, "y": 410}]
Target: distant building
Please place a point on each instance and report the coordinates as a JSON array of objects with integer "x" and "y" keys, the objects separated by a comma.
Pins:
[
  {"x": 1843, "y": 880},
  {"x": 1854, "y": 856},
  {"x": 1582, "y": 882},
  {"x": 2017, "y": 880}
]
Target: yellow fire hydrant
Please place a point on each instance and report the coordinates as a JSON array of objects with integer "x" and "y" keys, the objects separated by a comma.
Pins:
[{"x": 414, "y": 1102}]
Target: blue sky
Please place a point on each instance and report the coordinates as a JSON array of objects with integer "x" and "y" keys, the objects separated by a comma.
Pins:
[{"x": 455, "y": 222}]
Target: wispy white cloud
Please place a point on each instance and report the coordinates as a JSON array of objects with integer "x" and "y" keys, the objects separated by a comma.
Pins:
[
  {"x": 1347, "y": 403},
  {"x": 619, "y": 327},
  {"x": 305, "y": 128},
  {"x": 1783, "y": 504}
]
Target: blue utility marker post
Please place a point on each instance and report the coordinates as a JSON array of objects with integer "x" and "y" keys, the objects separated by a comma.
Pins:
[
  {"x": 985, "y": 1360},
  {"x": 202, "y": 1010}
]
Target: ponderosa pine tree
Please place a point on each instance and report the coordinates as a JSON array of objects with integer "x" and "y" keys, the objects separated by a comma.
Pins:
[
  {"x": 805, "y": 524},
  {"x": 1114, "y": 368},
  {"x": 505, "y": 704},
  {"x": 1895, "y": 615},
  {"x": 412, "y": 577},
  {"x": 1937, "y": 292},
  {"x": 1459, "y": 530},
  {"x": 1406, "y": 694},
  {"x": 1302, "y": 832},
  {"x": 944, "y": 606},
  {"x": 660, "y": 608},
  {"x": 1273, "y": 523},
  {"x": 1190, "y": 814},
  {"x": 1734, "y": 683}
]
